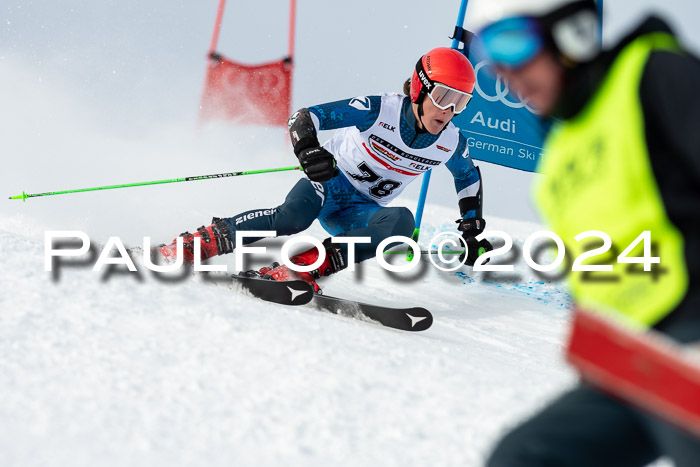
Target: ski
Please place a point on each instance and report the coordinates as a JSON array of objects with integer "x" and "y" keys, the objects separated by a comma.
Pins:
[
  {"x": 301, "y": 293},
  {"x": 405, "y": 319},
  {"x": 282, "y": 292},
  {"x": 296, "y": 292}
]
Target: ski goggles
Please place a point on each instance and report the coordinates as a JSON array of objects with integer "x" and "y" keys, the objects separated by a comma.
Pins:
[
  {"x": 445, "y": 97},
  {"x": 512, "y": 42}
]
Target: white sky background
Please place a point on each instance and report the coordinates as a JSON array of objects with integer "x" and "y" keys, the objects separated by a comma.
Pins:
[{"x": 132, "y": 68}]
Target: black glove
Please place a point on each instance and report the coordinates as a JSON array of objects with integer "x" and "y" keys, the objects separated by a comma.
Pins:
[
  {"x": 318, "y": 164},
  {"x": 470, "y": 229}
]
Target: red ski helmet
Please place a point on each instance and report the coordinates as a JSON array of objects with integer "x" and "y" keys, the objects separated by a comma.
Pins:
[{"x": 442, "y": 65}]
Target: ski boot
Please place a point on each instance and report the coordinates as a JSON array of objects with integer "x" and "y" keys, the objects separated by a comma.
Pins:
[
  {"x": 215, "y": 240},
  {"x": 334, "y": 262}
]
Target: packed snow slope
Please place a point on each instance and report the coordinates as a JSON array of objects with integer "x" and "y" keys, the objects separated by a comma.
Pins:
[{"x": 125, "y": 369}]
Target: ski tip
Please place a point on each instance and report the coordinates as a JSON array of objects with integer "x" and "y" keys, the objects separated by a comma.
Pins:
[
  {"x": 421, "y": 319},
  {"x": 281, "y": 292}
]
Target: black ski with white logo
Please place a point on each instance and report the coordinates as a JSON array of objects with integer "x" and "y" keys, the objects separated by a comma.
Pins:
[
  {"x": 282, "y": 292},
  {"x": 406, "y": 319}
]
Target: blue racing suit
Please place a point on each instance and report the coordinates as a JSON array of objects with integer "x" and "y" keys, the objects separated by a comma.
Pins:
[{"x": 340, "y": 208}]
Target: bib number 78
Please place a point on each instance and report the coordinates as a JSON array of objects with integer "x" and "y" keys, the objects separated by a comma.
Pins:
[{"x": 382, "y": 186}]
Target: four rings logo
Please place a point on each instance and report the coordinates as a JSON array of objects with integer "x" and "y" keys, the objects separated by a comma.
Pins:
[{"x": 501, "y": 92}]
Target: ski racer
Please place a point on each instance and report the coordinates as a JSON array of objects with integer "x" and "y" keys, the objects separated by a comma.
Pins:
[
  {"x": 624, "y": 158},
  {"x": 381, "y": 144}
]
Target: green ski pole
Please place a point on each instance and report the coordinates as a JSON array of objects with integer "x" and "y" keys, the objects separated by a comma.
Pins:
[{"x": 24, "y": 195}]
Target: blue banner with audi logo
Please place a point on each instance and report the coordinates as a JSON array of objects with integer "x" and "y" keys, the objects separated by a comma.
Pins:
[{"x": 501, "y": 128}]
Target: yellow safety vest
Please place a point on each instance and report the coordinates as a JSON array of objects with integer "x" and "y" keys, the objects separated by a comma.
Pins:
[{"x": 596, "y": 175}]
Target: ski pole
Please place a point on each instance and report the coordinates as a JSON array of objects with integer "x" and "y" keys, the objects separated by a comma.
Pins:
[
  {"x": 426, "y": 175},
  {"x": 24, "y": 195},
  {"x": 419, "y": 212}
]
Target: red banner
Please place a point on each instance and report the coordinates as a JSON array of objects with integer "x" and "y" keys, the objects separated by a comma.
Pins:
[
  {"x": 644, "y": 368},
  {"x": 254, "y": 95}
]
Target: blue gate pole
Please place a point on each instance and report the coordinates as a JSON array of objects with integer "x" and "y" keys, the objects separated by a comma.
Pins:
[
  {"x": 599, "y": 6},
  {"x": 426, "y": 175}
]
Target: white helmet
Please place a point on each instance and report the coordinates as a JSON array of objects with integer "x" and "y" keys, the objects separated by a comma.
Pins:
[{"x": 571, "y": 27}]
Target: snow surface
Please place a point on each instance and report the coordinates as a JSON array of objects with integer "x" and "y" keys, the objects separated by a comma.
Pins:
[
  {"x": 126, "y": 369},
  {"x": 116, "y": 370}
]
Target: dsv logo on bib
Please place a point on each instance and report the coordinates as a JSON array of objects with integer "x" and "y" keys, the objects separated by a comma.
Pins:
[{"x": 500, "y": 92}]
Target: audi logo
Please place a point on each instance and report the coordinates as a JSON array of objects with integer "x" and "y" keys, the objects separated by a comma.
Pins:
[{"x": 501, "y": 92}]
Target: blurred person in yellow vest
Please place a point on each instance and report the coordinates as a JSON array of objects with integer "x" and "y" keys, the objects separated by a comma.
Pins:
[{"x": 622, "y": 163}]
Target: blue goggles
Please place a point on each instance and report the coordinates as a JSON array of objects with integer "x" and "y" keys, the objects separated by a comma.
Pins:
[{"x": 511, "y": 42}]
